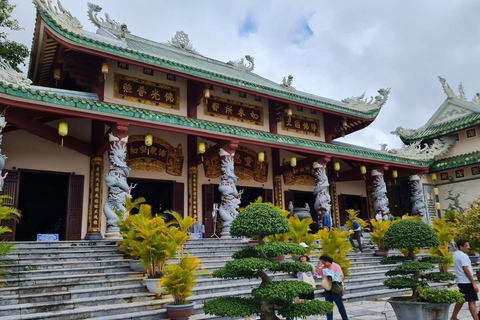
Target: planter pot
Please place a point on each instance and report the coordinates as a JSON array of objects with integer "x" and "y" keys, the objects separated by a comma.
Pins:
[
  {"x": 381, "y": 253},
  {"x": 180, "y": 312},
  {"x": 474, "y": 259},
  {"x": 151, "y": 284},
  {"x": 136, "y": 266},
  {"x": 408, "y": 310}
]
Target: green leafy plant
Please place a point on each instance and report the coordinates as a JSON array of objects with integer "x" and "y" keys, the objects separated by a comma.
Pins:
[
  {"x": 7, "y": 212},
  {"x": 271, "y": 297},
  {"x": 442, "y": 296},
  {"x": 379, "y": 230},
  {"x": 352, "y": 213},
  {"x": 335, "y": 244},
  {"x": 411, "y": 235},
  {"x": 445, "y": 231},
  {"x": 392, "y": 259},
  {"x": 469, "y": 226},
  {"x": 29, "y": 268}
]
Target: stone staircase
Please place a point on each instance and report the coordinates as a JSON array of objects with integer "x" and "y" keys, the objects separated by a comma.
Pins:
[{"x": 91, "y": 280}]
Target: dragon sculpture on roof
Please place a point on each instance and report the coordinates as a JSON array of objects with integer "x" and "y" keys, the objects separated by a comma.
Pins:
[
  {"x": 365, "y": 104},
  {"x": 117, "y": 29}
]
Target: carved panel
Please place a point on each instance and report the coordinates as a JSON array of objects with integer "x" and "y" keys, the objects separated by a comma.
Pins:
[
  {"x": 302, "y": 125},
  {"x": 233, "y": 110}
]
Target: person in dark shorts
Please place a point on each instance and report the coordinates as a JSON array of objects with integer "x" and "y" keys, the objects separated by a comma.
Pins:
[
  {"x": 307, "y": 296},
  {"x": 465, "y": 281}
]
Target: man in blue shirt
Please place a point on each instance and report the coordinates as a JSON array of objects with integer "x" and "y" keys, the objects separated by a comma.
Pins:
[
  {"x": 326, "y": 219},
  {"x": 357, "y": 235}
]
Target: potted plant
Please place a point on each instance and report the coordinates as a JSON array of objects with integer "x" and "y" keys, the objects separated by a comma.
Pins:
[
  {"x": 378, "y": 234},
  {"x": 178, "y": 280},
  {"x": 272, "y": 297},
  {"x": 411, "y": 235}
]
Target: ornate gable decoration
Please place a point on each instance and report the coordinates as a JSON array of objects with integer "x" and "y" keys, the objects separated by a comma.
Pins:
[
  {"x": 13, "y": 77},
  {"x": 181, "y": 41},
  {"x": 450, "y": 94},
  {"x": 110, "y": 25},
  {"x": 416, "y": 151},
  {"x": 451, "y": 113},
  {"x": 364, "y": 104},
  {"x": 242, "y": 65},
  {"x": 61, "y": 16},
  {"x": 287, "y": 83}
]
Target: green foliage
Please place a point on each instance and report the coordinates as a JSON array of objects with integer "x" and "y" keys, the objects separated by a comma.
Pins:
[
  {"x": 445, "y": 231},
  {"x": 282, "y": 291},
  {"x": 432, "y": 259},
  {"x": 334, "y": 244},
  {"x": 410, "y": 234},
  {"x": 352, "y": 213},
  {"x": 440, "y": 276},
  {"x": 306, "y": 308},
  {"x": 279, "y": 237},
  {"x": 232, "y": 307},
  {"x": 6, "y": 213},
  {"x": 270, "y": 249},
  {"x": 469, "y": 226},
  {"x": 442, "y": 296},
  {"x": 179, "y": 278},
  {"x": 259, "y": 219},
  {"x": 409, "y": 268},
  {"x": 11, "y": 51},
  {"x": 379, "y": 230},
  {"x": 403, "y": 283},
  {"x": 392, "y": 259}
]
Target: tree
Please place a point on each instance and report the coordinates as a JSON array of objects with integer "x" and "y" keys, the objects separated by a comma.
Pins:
[
  {"x": 262, "y": 219},
  {"x": 11, "y": 51}
]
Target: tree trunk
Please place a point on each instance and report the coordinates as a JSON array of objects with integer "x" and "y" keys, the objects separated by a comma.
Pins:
[{"x": 267, "y": 310}]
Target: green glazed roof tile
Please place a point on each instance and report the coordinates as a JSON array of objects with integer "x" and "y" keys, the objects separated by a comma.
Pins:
[{"x": 456, "y": 161}]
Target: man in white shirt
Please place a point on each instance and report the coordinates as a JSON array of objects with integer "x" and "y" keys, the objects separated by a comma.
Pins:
[
  {"x": 379, "y": 215},
  {"x": 465, "y": 281}
]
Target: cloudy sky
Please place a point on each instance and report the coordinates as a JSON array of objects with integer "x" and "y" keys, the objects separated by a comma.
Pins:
[{"x": 334, "y": 49}]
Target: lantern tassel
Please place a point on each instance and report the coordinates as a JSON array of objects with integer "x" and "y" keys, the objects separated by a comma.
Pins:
[
  {"x": 61, "y": 144},
  {"x": 202, "y": 157},
  {"x": 148, "y": 151}
]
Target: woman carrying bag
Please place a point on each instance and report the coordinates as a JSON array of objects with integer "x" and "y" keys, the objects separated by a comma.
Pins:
[
  {"x": 332, "y": 282},
  {"x": 305, "y": 277}
]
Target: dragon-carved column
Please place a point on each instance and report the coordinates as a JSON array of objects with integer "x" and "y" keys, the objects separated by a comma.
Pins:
[
  {"x": 116, "y": 180},
  {"x": 417, "y": 198},
  {"x": 3, "y": 157},
  {"x": 321, "y": 190},
  {"x": 379, "y": 193},
  {"x": 230, "y": 196}
]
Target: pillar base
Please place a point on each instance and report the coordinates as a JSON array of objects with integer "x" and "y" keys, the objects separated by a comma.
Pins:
[
  {"x": 225, "y": 233},
  {"x": 93, "y": 236},
  {"x": 113, "y": 236}
]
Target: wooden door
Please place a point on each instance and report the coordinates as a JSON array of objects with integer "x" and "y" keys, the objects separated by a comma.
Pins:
[
  {"x": 208, "y": 197},
  {"x": 364, "y": 212},
  {"x": 11, "y": 187},
  {"x": 268, "y": 195},
  {"x": 342, "y": 209},
  {"x": 177, "y": 198},
  {"x": 74, "y": 207}
]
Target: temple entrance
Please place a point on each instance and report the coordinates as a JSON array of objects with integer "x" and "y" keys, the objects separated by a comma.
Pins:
[
  {"x": 43, "y": 202},
  {"x": 300, "y": 199},
  {"x": 160, "y": 194},
  {"x": 354, "y": 202}
]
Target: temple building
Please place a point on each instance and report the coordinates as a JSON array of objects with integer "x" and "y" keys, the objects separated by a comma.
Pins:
[{"x": 107, "y": 114}]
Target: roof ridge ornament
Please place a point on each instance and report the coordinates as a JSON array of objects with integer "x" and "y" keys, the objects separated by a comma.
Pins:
[
  {"x": 117, "y": 29},
  {"x": 415, "y": 150},
  {"x": 287, "y": 83},
  {"x": 181, "y": 41},
  {"x": 362, "y": 103},
  {"x": 13, "y": 77},
  {"x": 60, "y": 15},
  {"x": 242, "y": 65},
  {"x": 402, "y": 132},
  {"x": 448, "y": 91}
]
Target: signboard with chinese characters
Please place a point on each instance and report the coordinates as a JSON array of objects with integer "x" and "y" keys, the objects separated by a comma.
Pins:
[
  {"x": 246, "y": 165},
  {"x": 95, "y": 198},
  {"x": 303, "y": 125},
  {"x": 304, "y": 176},
  {"x": 159, "y": 157},
  {"x": 147, "y": 92},
  {"x": 233, "y": 110}
]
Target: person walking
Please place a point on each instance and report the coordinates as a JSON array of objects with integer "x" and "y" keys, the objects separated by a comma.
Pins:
[
  {"x": 379, "y": 215},
  {"x": 357, "y": 235},
  {"x": 327, "y": 268},
  {"x": 327, "y": 219},
  {"x": 465, "y": 281},
  {"x": 304, "y": 296}
]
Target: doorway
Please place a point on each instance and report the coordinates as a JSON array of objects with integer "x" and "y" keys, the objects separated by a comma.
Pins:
[
  {"x": 300, "y": 199},
  {"x": 157, "y": 193},
  {"x": 43, "y": 202},
  {"x": 354, "y": 202}
]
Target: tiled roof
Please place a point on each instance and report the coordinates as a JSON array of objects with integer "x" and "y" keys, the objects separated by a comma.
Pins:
[
  {"x": 88, "y": 105},
  {"x": 456, "y": 161},
  {"x": 170, "y": 58}
]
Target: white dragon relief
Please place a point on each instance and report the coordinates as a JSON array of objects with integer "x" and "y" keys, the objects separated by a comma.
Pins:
[
  {"x": 230, "y": 196},
  {"x": 426, "y": 152},
  {"x": 322, "y": 197},
  {"x": 362, "y": 103}
]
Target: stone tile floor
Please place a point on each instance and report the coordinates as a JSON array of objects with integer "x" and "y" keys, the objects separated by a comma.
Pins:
[{"x": 379, "y": 309}]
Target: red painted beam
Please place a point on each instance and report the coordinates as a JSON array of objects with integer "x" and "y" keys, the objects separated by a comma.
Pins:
[{"x": 16, "y": 119}]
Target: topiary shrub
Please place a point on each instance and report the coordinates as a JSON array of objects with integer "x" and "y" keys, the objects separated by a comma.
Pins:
[
  {"x": 271, "y": 297},
  {"x": 412, "y": 235}
]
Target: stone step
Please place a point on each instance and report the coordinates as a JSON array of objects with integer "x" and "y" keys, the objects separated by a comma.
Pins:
[
  {"x": 38, "y": 266},
  {"x": 24, "y": 260},
  {"x": 67, "y": 271}
]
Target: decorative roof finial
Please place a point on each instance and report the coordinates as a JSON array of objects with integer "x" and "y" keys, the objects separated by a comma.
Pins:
[
  {"x": 287, "y": 83},
  {"x": 241, "y": 64},
  {"x": 181, "y": 41},
  {"x": 448, "y": 91},
  {"x": 362, "y": 103},
  {"x": 61, "y": 16},
  {"x": 438, "y": 148},
  {"x": 476, "y": 99},
  {"x": 110, "y": 25},
  {"x": 13, "y": 77},
  {"x": 461, "y": 90}
]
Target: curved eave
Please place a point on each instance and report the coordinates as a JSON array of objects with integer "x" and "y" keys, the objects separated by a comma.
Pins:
[
  {"x": 456, "y": 161},
  {"x": 128, "y": 55},
  {"x": 29, "y": 98}
]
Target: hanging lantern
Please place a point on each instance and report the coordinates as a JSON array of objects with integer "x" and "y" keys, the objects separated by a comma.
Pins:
[
  {"x": 363, "y": 169},
  {"x": 435, "y": 191},
  {"x": 62, "y": 130},
  {"x": 201, "y": 148},
  {"x": 104, "y": 70},
  {"x": 389, "y": 183},
  {"x": 148, "y": 142},
  {"x": 289, "y": 112},
  {"x": 434, "y": 177},
  {"x": 56, "y": 75},
  {"x": 336, "y": 167},
  {"x": 206, "y": 95},
  {"x": 394, "y": 174},
  {"x": 261, "y": 156},
  {"x": 293, "y": 162},
  {"x": 437, "y": 206}
]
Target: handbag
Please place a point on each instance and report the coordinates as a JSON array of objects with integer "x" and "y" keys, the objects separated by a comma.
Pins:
[
  {"x": 337, "y": 287},
  {"x": 308, "y": 279}
]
